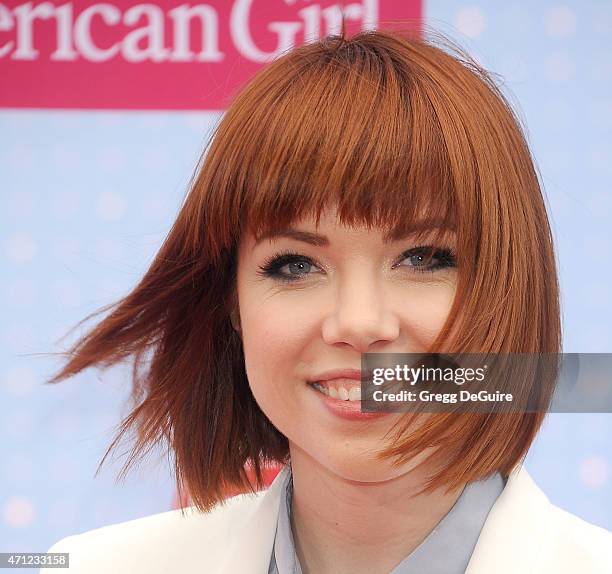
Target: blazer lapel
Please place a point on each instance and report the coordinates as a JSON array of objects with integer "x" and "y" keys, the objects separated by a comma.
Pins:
[
  {"x": 251, "y": 541},
  {"x": 513, "y": 537}
]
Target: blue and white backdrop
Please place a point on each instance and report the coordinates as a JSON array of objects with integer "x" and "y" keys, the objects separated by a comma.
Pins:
[{"x": 88, "y": 195}]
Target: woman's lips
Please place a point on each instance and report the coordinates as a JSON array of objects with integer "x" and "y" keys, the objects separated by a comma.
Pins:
[{"x": 347, "y": 402}]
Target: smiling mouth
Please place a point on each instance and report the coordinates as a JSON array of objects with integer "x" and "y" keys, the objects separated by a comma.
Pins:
[{"x": 349, "y": 390}]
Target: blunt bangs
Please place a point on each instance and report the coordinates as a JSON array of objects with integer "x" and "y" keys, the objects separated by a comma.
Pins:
[{"x": 348, "y": 126}]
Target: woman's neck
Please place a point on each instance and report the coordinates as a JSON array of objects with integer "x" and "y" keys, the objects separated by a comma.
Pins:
[{"x": 342, "y": 526}]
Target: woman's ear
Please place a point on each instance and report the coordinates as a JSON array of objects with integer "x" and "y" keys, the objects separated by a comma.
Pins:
[
  {"x": 235, "y": 319},
  {"x": 233, "y": 309}
]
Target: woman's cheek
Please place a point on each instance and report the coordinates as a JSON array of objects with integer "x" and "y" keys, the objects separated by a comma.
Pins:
[
  {"x": 422, "y": 310},
  {"x": 272, "y": 339}
]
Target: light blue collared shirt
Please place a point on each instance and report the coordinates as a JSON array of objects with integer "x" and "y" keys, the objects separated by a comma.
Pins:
[{"x": 446, "y": 550}]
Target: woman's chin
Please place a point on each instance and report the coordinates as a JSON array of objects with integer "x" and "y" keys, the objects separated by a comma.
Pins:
[
  {"x": 357, "y": 467},
  {"x": 356, "y": 463}
]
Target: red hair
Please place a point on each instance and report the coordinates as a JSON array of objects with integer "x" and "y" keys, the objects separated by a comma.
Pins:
[{"x": 392, "y": 129}]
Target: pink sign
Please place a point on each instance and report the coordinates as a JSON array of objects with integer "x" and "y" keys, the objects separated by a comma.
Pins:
[{"x": 163, "y": 55}]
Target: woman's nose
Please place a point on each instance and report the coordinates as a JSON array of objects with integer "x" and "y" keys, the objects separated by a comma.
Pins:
[{"x": 360, "y": 317}]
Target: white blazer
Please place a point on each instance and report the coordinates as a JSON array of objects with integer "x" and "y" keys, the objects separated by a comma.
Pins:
[{"x": 523, "y": 534}]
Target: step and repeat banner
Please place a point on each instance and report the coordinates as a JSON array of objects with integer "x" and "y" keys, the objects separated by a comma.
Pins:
[
  {"x": 161, "y": 56},
  {"x": 105, "y": 108}
]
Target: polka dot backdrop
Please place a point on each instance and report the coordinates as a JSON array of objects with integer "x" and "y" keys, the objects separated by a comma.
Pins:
[{"x": 87, "y": 198}]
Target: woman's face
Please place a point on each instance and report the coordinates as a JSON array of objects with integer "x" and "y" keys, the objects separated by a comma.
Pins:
[{"x": 342, "y": 293}]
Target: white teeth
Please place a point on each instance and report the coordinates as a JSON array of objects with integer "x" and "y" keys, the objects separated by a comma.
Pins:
[
  {"x": 354, "y": 394},
  {"x": 320, "y": 388}
]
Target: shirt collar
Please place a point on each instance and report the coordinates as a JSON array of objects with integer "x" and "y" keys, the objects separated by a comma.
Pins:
[{"x": 446, "y": 550}]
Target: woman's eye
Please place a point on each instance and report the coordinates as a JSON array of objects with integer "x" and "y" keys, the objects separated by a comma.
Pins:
[
  {"x": 297, "y": 267},
  {"x": 429, "y": 259},
  {"x": 288, "y": 267}
]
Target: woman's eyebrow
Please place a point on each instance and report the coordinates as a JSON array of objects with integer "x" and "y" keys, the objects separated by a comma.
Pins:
[
  {"x": 305, "y": 236},
  {"x": 419, "y": 227},
  {"x": 322, "y": 241}
]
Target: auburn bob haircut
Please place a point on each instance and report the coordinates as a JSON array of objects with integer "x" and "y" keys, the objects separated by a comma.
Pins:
[{"x": 391, "y": 129}]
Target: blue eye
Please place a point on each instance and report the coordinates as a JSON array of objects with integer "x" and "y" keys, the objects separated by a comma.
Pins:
[
  {"x": 429, "y": 259},
  {"x": 297, "y": 266}
]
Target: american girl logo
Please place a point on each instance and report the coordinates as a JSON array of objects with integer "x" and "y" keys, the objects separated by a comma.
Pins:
[{"x": 162, "y": 55}]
